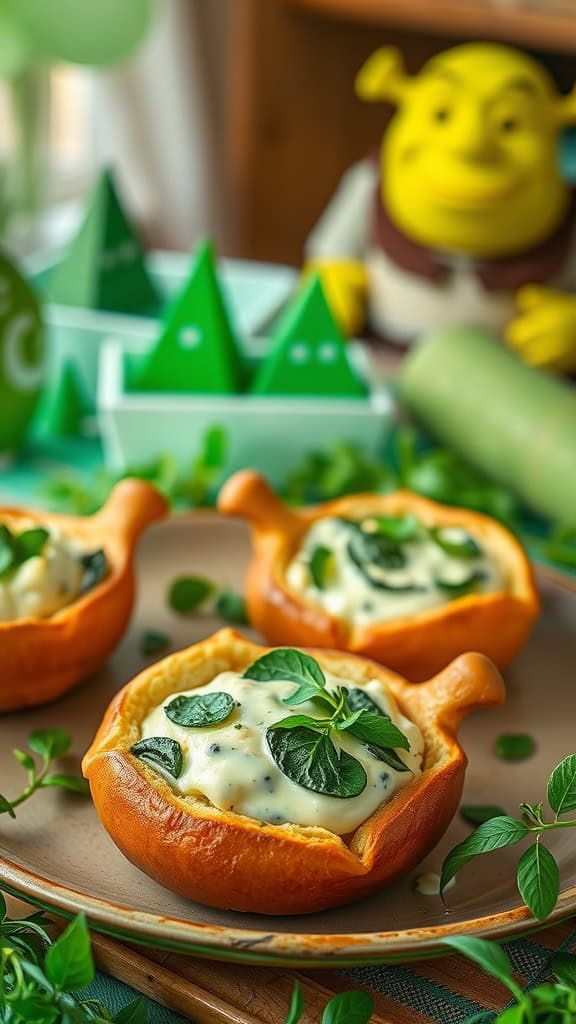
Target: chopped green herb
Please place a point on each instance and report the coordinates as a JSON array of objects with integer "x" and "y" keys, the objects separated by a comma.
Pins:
[
  {"x": 152, "y": 642},
  {"x": 320, "y": 563},
  {"x": 231, "y": 607},
  {"x": 200, "y": 710},
  {"x": 477, "y": 814},
  {"x": 514, "y": 746},
  {"x": 188, "y": 593}
]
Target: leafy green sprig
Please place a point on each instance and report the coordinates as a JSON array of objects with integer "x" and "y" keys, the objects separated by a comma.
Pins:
[
  {"x": 40, "y": 979},
  {"x": 551, "y": 1003},
  {"x": 537, "y": 873},
  {"x": 49, "y": 745},
  {"x": 303, "y": 746}
]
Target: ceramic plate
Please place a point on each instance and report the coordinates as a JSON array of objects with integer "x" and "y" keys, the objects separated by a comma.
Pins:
[{"x": 55, "y": 853}]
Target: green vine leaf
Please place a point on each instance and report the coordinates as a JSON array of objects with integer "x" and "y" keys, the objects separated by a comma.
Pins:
[
  {"x": 312, "y": 761},
  {"x": 561, "y": 790},
  {"x": 538, "y": 880},
  {"x": 492, "y": 835}
]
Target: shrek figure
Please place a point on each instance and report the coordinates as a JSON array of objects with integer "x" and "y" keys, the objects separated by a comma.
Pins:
[{"x": 464, "y": 217}]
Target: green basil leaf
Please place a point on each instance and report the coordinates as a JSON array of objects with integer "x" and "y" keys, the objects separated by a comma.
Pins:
[
  {"x": 72, "y": 782},
  {"x": 514, "y": 746},
  {"x": 285, "y": 663},
  {"x": 312, "y": 761},
  {"x": 134, "y": 1013},
  {"x": 358, "y": 700},
  {"x": 294, "y": 721},
  {"x": 161, "y": 752},
  {"x": 477, "y": 814},
  {"x": 188, "y": 593},
  {"x": 199, "y": 711},
  {"x": 492, "y": 835},
  {"x": 456, "y": 542},
  {"x": 6, "y": 807},
  {"x": 380, "y": 731},
  {"x": 489, "y": 955},
  {"x": 296, "y": 1008},
  {"x": 69, "y": 964},
  {"x": 564, "y": 967},
  {"x": 31, "y": 542},
  {"x": 24, "y": 759},
  {"x": 153, "y": 641},
  {"x": 49, "y": 743},
  {"x": 342, "y": 724},
  {"x": 538, "y": 880},
  {"x": 95, "y": 567},
  {"x": 396, "y": 528},
  {"x": 349, "y": 1008},
  {"x": 319, "y": 563},
  {"x": 562, "y": 786},
  {"x": 8, "y": 551},
  {"x": 389, "y": 757},
  {"x": 34, "y": 1010},
  {"x": 232, "y": 608}
]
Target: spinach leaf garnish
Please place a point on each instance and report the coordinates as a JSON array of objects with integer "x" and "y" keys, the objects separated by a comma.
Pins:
[
  {"x": 48, "y": 745},
  {"x": 152, "y": 641},
  {"x": 200, "y": 710},
  {"x": 464, "y": 586},
  {"x": 160, "y": 752},
  {"x": 310, "y": 759},
  {"x": 303, "y": 746},
  {"x": 394, "y": 528},
  {"x": 455, "y": 542},
  {"x": 15, "y": 549},
  {"x": 231, "y": 607},
  {"x": 320, "y": 562},
  {"x": 188, "y": 593},
  {"x": 514, "y": 746}
]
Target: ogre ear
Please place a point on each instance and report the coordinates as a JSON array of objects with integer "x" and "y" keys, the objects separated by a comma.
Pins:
[
  {"x": 566, "y": 108},
  {"x": 382, "y": 77}
]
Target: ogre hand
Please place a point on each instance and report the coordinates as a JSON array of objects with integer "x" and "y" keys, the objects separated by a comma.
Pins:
[
  {"x": 345, "y": 285},
  {"x": 544, "y": 332}
]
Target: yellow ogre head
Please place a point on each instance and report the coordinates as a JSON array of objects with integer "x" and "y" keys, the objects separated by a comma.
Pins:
[{"x": 469, "y": 161}]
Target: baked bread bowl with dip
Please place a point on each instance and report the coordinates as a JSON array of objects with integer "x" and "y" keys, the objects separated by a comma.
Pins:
[
  {"x": 394, "y": 577},
  {"x": 66, "y": 591},
  {"x": 281, "y": 781}
]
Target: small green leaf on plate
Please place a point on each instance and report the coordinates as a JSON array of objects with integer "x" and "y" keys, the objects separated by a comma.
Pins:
[
  {"x": 514, "y": 746},
  {"x": 312, "y": 761},
  {"x": 161, "y": 752},
  {"x": 320, "y": 563},
  {"x": 188, "y": 593},
  {"x": 562, "y": 786},
  {"x": 49, "y": 743},
  {"x": 231, "y": 607},
  {"x": 538, "y": 880},
  {"x": 153, "y": 641},
  {"x": 477, "y": 814},
  {"x": 201, "y": 710},
  {"x": 492, "y": 835}
]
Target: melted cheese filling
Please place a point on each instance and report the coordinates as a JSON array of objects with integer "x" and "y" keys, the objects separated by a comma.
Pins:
[
  {"x": 349, "y": 596},
  {"x": 230, "y": 764},
  {"x": 43, "y": 584}
]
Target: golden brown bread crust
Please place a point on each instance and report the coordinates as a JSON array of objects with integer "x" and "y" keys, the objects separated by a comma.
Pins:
[
  {"x": 231, "y": 861},
  {"x": 497, "y": 624},
  {"x": 43, "y": 658}
]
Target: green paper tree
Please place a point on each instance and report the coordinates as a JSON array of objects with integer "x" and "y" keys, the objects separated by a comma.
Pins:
[
  {"x": 64, "y": 407},
  {"x": 308, "y": 353},
  {"x": 104, "y": 266},
  {"x": 197, "y": 350}
]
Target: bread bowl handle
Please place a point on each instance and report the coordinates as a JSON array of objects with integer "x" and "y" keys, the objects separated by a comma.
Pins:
[
  {"x": 132, "y": 505},
  {"x": 470, "y": 681},
  {"x": 248, "y": 495}
]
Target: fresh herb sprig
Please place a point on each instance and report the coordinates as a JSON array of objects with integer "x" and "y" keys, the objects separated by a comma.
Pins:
[
  {"x": 551, "y": 1003},
  {"x": 40, "y": 979},
  {"x": 303, "y": 746},
  {"x": 537, "y": 873},
  {"x": 49, "y": 745}
]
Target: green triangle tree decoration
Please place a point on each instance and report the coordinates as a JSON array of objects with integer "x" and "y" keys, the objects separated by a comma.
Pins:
[
  {"x": 105, "y": 266},
  {"x": 64, "y": 408},
  {"x": 197, "y": 350},
  {"x": 308, "y": 352}
]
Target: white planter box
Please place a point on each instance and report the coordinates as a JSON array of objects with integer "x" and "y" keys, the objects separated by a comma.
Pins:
[
  {"x": 255, "y": 293},
  {"x": 270, "y": 434}
]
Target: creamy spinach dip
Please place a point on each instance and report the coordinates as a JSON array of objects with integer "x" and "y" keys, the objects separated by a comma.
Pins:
[
  {"x": 231, "y": 764},
  {"x": 383, "y": 567}
]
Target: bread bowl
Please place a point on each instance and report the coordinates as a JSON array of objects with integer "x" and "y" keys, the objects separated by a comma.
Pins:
[
  {"x": 49, "y": 645},
  {"x": 493, "y": 616},
  {"x": 228, "y": 859}
]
